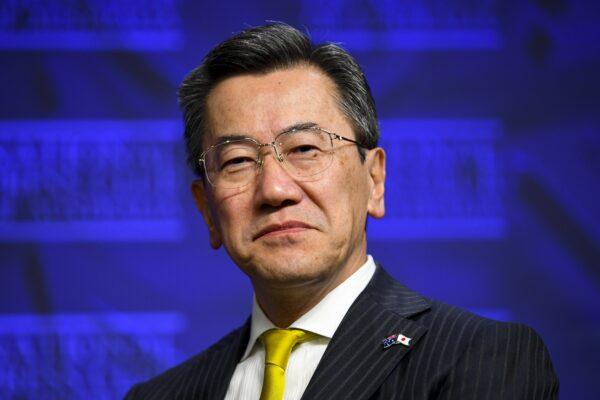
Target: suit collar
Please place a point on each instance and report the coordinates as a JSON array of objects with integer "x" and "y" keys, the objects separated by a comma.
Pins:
[
  {"x": 325, "y": 317},
  {"x": 355, "y": 361},
  {"x": 223, "y": 358},
  {"x": 394, "y": 296}
]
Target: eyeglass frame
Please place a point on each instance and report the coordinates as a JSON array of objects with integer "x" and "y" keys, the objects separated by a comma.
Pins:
[{"x": 259, "y": 145}]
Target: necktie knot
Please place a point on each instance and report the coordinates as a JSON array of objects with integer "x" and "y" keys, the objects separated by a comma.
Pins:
[
  {"x": 279, "y": 344},
  {"x": 278, "y": 347}
]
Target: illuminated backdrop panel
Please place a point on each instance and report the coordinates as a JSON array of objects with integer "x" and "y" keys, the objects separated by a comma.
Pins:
[{"x": 489, "y": 117}]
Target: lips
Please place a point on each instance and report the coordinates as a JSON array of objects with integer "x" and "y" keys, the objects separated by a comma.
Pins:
[{"x": 285, "y": 227}]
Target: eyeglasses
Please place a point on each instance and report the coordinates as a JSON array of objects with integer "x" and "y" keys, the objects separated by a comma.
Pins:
[{"x": 304, "y": 153}]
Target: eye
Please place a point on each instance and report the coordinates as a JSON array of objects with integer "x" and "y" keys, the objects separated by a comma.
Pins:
[
  {"x": 237, "y": 163},
  {"x": 305, "y": 148}
]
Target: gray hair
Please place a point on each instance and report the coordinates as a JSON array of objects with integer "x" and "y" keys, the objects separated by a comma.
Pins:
[{"x": 267, "y": 48}]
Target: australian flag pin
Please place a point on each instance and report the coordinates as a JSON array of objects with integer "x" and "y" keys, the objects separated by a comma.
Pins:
[{"x": 396, "y": 339}]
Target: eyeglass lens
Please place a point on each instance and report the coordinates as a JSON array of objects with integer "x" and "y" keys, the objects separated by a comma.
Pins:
[{"x": 234, "y": 164}]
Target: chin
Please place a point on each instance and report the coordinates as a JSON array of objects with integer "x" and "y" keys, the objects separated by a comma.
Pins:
[{"x": 289, "y": 271}]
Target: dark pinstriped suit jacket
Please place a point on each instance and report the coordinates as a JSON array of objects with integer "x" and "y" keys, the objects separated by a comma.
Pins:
[{"x": 453, "y": 354}]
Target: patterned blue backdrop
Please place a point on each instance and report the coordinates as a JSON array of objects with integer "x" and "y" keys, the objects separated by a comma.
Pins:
[{"x": 489, "y": 114}]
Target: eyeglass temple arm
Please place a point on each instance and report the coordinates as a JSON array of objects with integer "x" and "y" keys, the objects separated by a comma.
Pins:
[{"x": 340, "y": 137}]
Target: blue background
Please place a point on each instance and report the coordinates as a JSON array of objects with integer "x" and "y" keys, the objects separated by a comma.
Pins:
[{"x": 489, "y": 115}]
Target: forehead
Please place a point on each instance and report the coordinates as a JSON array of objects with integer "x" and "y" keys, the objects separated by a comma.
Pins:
[{"x": 262, "y": 105}]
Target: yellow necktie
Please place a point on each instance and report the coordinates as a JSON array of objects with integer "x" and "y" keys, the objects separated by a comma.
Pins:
[{"x": 278, "y": 347}]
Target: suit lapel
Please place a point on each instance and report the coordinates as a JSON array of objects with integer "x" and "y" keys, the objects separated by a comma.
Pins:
[
  {"x": 355, "y": 362},
  {"x": 224, "y": 359}
]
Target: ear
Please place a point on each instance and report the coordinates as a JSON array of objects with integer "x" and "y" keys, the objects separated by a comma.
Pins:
[
  {"x": 375, "y": 161},
  {"x": 199, "y": 191}
]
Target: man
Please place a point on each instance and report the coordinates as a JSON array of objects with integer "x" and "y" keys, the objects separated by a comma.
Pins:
[{"x": 283, "y": 136}]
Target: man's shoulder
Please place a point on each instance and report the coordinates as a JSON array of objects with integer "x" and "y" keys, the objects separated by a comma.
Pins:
[
  {"x": 457, "y": 322},
  {"x": 464, "y": 354},
  {"x": 442, "y": 314},
  {"x": 479, "y": 355},
  {"x": 189, "y": 378},
  {"x": 436, "y": 315},
  {"x": 453, "y": 331}
]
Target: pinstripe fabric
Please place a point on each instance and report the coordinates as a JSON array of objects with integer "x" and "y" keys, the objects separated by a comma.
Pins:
[
  {"x": 323, "y": 319},
  {"x": 453, "y": 354}
]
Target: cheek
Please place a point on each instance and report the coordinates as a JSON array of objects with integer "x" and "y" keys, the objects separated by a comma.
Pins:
[
  {"x": 350, "y": 178},
  {"x": 233, "y": 216},
  {"x": 344, "y": 197},
  {"x": 353, "y": 195}
]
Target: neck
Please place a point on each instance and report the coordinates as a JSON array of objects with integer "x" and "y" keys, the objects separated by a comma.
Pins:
[{"x": 283, "y": 304}]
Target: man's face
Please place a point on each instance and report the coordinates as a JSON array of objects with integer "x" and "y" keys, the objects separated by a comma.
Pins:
[{"x": 280, "y": 231}]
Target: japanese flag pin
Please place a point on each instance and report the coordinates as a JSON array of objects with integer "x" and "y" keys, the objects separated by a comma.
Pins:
[{"x": 405, "y": 340}]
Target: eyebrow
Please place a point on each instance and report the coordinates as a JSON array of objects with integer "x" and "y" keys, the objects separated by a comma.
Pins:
[
  {"x": 296, "y": 126},
  {"x": 227, "y": 138}
]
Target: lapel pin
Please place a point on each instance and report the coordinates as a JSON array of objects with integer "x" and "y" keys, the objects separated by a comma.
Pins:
[
  {"x": 396, "y": 339},
  {"x": 405, "y": 340}
]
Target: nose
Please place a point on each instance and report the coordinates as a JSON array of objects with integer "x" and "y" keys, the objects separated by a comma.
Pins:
[{"x": 275, "y": 187}]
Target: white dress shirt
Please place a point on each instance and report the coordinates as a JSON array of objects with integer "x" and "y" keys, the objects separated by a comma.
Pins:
[{"x": 323, "y": 319}]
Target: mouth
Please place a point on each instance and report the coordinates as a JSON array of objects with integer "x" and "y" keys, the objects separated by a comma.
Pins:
[{"x": 288, "y": 227}]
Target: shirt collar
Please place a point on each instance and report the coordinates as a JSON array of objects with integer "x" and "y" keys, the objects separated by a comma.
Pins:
[{"x": 324, "y": 318}]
